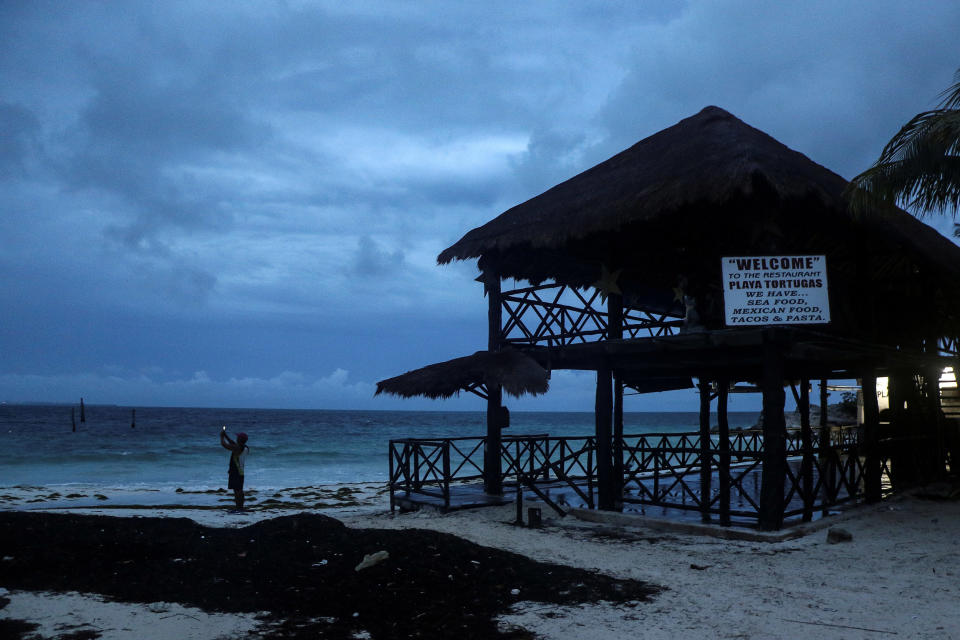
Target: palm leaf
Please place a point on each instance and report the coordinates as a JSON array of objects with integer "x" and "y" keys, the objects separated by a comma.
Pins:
[{"x": 919, "y": 168}]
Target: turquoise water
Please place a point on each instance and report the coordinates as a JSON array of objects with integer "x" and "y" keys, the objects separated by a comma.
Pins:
[{"x": 170, "y": 448}]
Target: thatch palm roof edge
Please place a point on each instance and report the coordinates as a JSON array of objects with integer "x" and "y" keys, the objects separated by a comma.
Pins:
[{"x": 517, "y": 373}]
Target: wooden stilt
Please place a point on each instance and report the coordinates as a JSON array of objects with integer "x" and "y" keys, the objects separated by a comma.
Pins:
[
  {"x": 903, "y": 464},
  {"x": 706, "y": 470},
  {"x": 774, "y": 436},
  {"x": 604, "y": 414},
  {"x": 615, "y": 332},
  {"x": 617, "y": 442},
  {"x": 824, "y": 399},
  {"x": 723, "y": 461},
  {"x": 934, "y": 412},
  {"x": 806, "y": 439},
  {"x": 871, "y": 426},
  {"x": 827, "y": 466},
  {"x": 492, "y": 480}
]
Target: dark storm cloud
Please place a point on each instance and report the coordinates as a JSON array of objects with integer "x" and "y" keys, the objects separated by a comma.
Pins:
[
  {"x": 142, "y": 137},
  {"x": 209, "y": 201},
  {"x": 19, "y": 130},
  {"x": 830, "y": 79}
]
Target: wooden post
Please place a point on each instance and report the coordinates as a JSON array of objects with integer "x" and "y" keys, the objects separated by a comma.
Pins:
[
  {"x": 615, "y": 332},
  {"x": 73, "y": 419},
  {"x": 492, "y": 482},
  {"x": 903, "y": 463},
  {"x": 934, "y": 457},
  {"x": 604, "y": 412},
  {"x": 825, "y": 453},
  {"x": 83, "y": 412},
  {"x": 723, "y": 463},
  {"x": 392, "y": 486},
  {"x": 931, "y": 378},
  {"x": 806, "y": 440},
  {"x": 934, "y": 416},
  {"x": 871, "y": 425},
  {"x": 774, "y": 436},
  {"x": 618, "y": 477},
  {"x": 705, "y": 453}
]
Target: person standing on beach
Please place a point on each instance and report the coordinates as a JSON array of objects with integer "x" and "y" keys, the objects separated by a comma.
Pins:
[{"x": 238, "y": 456}]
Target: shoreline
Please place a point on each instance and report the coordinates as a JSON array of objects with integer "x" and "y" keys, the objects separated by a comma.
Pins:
[
  {"x": 101, "y": 500},
  {"x": 898, "y": 575}
]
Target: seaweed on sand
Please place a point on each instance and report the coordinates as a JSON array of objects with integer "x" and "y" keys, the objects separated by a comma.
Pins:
[{"x": 301, "y": 569}]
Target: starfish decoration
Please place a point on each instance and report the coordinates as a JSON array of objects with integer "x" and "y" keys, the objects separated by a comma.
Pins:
[{"x": 607, "y": 284}]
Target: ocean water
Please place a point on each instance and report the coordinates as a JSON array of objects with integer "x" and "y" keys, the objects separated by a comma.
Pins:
[{"x": 178, "y": 448}]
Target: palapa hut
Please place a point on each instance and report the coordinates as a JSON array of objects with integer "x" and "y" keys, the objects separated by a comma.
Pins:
[{"x": 711, "y": 251}]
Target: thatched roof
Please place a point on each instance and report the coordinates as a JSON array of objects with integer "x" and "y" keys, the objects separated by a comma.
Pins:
[
  {"x": 706, "y": 159},
  {"x": 711, "y": 162},
  {"x": 662, "y": 213},
  {"x": 516, "y": 372}
]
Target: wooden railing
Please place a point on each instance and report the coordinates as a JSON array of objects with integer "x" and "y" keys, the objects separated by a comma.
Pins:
[
  {"x": 664, "y": 470},
  {"x": 659, "y": 470},
  {"x": 555, "y": 315}
]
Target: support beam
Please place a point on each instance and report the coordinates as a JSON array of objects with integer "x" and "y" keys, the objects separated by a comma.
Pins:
[
  {"x": 604, "y": 414},
  {"x": 806, "y": 439},
  {"x": 492, "y": 480},
  {"x": 871, "y": 441},
  {"x": 617, "y": 442},
  {"x": 936, "y": 455},
  {"x": 723, "y": 462},
  {"x": 706, "y": 470},
  {"x": 904, "y": 468},
  {"x": 615, "y": 332},
  {"x": 934, "y": 411},
  {"x": 774, "y": 436},
  {"x": 934, "y": 415},
  {"x": 828, "y": 468}
]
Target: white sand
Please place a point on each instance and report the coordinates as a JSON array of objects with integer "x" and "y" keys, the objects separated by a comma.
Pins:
[
  {"x": 900, "y": 576},
  {"x": 65, "y": 613}
]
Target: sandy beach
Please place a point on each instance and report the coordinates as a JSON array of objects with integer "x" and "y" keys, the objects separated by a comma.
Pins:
[{"x": 202, "y": 573}]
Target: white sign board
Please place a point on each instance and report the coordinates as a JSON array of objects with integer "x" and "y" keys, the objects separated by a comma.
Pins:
[{"x": 775, "y": 290}]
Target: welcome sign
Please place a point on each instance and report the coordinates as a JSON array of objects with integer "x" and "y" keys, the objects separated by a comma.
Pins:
[{"x": 775, "y": 290}]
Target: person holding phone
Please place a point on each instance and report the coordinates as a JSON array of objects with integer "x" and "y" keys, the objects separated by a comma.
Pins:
[{"x": 238, "y": 457}]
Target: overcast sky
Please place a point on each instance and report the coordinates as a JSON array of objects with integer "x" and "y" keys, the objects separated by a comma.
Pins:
[{"x": 241, "y": 203}]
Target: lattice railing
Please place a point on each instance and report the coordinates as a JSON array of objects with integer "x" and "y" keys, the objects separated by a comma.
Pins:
[
  {"x": 661, "y": 470},
  {"x": 949, "y": 345},
  {"x": 560, "y": 315},
  {"x": 664, "y": 470}
]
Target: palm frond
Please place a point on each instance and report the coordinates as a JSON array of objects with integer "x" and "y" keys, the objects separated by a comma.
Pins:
[
  {"x": 919, "y": 168},
  {"x": 950, "y": 98}
]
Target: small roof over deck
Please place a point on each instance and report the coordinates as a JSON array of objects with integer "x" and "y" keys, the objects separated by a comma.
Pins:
[{"x": 515, "y": 372}]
